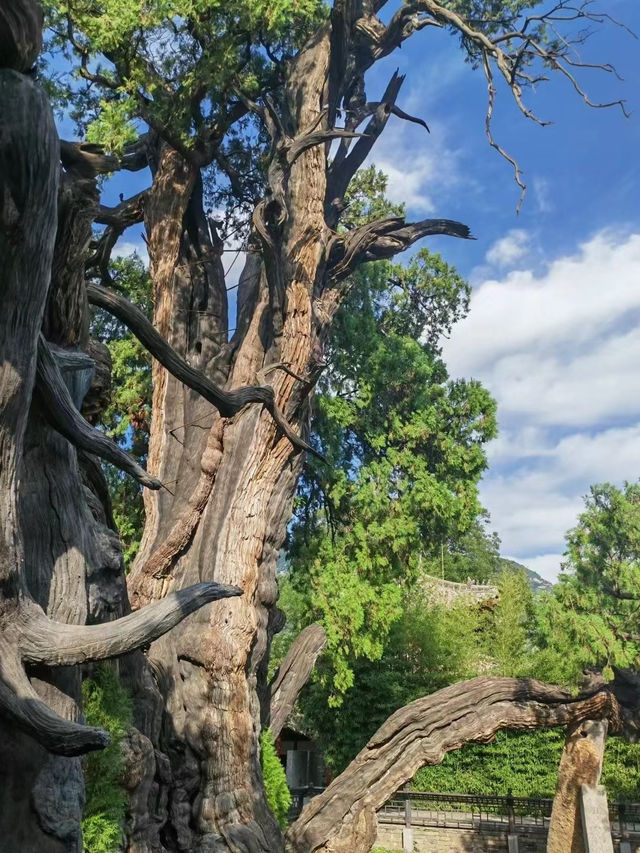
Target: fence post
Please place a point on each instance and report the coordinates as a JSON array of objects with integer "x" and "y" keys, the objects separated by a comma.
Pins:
[
  {"x": 512, "y": 838},
  {"x": 511, "y": 812},
  {"x": 625, "y": 844},
  {"x": 407, "y": 832}
]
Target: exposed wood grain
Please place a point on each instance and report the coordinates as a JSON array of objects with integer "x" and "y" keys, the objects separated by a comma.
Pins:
[
  {"x": 20, "y": 34},
  {"x": 293, "y": 673},
  {"x": 342, "y": 818}
]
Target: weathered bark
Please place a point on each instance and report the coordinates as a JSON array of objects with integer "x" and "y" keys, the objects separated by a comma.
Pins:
[
  {"x": 580, "y": 764},
  {"x": 342, "y": 819},
  {"x": 53, "y": 536},
  {"x": 292, "y": 675},
  {"x": 232, "y": 473}
]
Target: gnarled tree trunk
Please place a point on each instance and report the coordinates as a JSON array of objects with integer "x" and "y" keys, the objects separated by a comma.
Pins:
[
  {"x": 233, "y": 481},
  {"x": 54, "y": 538},
  {"x": 342, "y": 819}
]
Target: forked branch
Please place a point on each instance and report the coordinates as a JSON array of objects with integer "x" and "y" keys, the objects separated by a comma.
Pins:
[
  {"x": 228, "y": 403},
  {"x": 384, "y": 239}
]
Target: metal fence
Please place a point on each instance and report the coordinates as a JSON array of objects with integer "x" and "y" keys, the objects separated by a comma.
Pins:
[
  {"x": 518, "y": 815},
  {"x": 467, "y": 811}
]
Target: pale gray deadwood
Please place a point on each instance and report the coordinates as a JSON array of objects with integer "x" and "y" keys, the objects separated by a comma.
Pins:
[
  {"x": 58, "y": 644},
  {"x": 60, "y": 412},
  {"x": 293, "y": 673},
  {"x": 21, "y": 706},
  {"x": 342, "y": 818},
  {"x": 228, "y": 403}
]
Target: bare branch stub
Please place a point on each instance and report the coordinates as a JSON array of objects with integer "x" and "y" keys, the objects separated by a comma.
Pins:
[{"x": 293, "y": 673}]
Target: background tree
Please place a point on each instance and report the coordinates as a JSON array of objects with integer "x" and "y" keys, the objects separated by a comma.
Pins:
[
  {"x": 247, "y": 100},
  {"x": 403, "y": 445},
  {"x": 591, "y": 618}
]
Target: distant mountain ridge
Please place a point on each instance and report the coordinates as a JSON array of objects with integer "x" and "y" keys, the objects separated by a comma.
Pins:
[{"x": 536, "y": 582}]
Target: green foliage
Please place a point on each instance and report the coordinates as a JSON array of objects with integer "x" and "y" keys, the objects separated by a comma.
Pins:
[
  {"x": 590, "y": 618},
  {"x": 508, "y": 626},
  {"x": 112, "y": 127},
  {"x": 108, "y": 706},
  {"x": 168, "y": 62},
  {"x": 405, "y": 446},
  {"x": 274, "y": 777},
  {"x": 525, "y": 763},
  {"x": 621, "y": 770},
  {"x": 427, "y": 649}
]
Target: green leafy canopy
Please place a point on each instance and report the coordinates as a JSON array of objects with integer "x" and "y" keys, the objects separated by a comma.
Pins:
[{"x": 404, "y": 444}]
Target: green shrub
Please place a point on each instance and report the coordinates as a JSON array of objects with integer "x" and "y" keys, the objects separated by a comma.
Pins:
[
  {"x": 275, "y": 780},
  {"x": 527, "y": 764},
  {"x": 108, "y": 706}
]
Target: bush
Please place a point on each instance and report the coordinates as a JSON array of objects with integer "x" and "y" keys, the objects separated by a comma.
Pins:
[
  {"x": 275, "y": 780},
  {"x": 107, "y": 705}
]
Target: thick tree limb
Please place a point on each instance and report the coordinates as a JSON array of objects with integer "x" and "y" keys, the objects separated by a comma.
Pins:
[
  {"x": 58, "y": 644},
  {"x": 63, "y": 416},
  {"x": 293, "y": 673},
  {"x": 21, "y": 706},
  {"x": 86, "y": 159},
  {"x": 343, "y": 816},
  {"x": 228, "y": 403},
  {"x": 384, "y": 239},
  {"x": 127, "y": 213}
]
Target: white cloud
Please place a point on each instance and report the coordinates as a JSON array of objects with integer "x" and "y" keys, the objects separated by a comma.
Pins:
[
  {"x": 542, "y": 194},
  {"x": 419, "y": 166},
  {"x": 559, "y": 350},
  {"x": 123, "y": 250},
  {"x": 508, "y": 249},
  {"x": 574, "y": 302}
]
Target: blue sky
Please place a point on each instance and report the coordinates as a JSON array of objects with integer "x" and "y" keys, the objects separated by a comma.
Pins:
[{"x": 553, "y": 327}]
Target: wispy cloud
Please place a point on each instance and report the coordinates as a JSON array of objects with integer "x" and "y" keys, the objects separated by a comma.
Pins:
[
  {"x": 513, "y": 247},
  {"x": 128, "y": 247},
  {"x": 559, "y": 350},
  {"x": 420, "y": 167}
]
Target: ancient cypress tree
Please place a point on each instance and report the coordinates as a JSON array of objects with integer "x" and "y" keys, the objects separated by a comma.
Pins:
[{"x": 248, "y": 96}]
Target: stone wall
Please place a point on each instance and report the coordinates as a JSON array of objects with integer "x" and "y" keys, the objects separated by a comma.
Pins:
[
  {"x": 448, "y": 593},
  {"x": 446, "y": 840}
]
